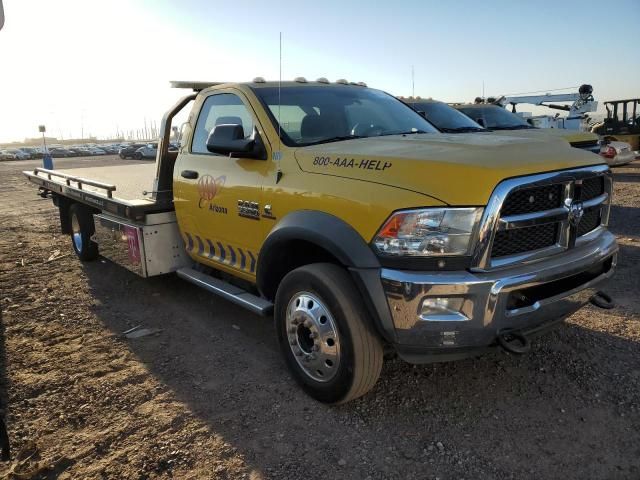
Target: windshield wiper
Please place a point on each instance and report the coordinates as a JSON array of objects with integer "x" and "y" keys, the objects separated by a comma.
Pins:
[
  {"x": 334, "y": 139},
  {"x": 462, "y": 129},
  {"x": 410, "y": 132},
  {"x": 513, "y": 127}
]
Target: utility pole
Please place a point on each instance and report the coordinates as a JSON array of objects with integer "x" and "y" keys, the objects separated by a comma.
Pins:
[{"x": 47, "y": 161}]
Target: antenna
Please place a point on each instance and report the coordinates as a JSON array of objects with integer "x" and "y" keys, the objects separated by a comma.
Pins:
[
  {"x": 279, "y": 89},
  {"x": 413, "y": 83},
  {"x": 278, "y": 154}
]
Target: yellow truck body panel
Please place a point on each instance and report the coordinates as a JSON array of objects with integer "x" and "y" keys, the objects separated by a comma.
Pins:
[{"x": 360, "y": 181}]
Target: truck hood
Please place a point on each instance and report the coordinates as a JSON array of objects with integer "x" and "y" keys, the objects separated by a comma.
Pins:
[
  {"x": 457, "y": 169},
  {"x": 571, "y": 136}
]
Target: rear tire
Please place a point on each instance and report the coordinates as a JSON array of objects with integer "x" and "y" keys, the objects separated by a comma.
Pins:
[
  {"x": 82, "y": 228},
  {"x": 324, "y": 334}
]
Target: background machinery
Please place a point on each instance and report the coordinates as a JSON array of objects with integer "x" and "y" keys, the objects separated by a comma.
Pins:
[{"x": 582, "y": 103}]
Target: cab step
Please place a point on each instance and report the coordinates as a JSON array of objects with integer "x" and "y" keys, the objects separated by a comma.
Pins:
[{"x": 226, "y": 290}]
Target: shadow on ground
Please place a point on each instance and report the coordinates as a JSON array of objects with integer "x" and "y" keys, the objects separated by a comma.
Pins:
[
  {"x": 491, "y": 413},
  {"x": 625, "y": 220}
]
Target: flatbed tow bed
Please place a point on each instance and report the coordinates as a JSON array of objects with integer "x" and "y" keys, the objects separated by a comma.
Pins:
[
  {"x": 132, "y": 226},
  {"x": 124, "y": 191}
]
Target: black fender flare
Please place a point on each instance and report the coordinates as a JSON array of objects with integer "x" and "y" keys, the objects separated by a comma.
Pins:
[
  {"x": 324, "y": 230},
  {"x": 341, "y": 240}
]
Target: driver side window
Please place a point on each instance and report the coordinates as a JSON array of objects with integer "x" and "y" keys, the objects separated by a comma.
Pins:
[{"x": 220, "y": 109}]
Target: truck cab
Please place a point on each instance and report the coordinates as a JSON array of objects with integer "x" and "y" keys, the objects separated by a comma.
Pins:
[{"x": 345, "y": 215}]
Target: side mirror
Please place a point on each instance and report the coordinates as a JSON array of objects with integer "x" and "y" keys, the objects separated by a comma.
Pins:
[
  {"x": 480, "y": 121},
  {"x": 422, "y": 113},
  {"x": 228, "y": 139}
]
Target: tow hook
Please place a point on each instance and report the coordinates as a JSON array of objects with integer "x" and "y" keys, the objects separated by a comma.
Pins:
[
  {"x": 513, "y": 341},
  {"x": 602, "y": 300}
]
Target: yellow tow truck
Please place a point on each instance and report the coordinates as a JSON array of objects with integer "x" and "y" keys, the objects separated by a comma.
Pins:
[{"x": 350, "y": 219}]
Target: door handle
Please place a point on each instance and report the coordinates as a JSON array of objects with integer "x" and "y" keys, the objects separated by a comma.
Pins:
[{"x": 191, "y": 174}]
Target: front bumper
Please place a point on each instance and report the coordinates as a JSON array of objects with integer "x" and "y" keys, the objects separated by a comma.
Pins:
[{"x": 525, "y": 297}]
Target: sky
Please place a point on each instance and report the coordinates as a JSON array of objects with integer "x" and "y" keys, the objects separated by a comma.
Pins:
[{"x": 97, "y": 67}]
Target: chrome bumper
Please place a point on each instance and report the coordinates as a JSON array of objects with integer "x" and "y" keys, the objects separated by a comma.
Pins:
[{"x": 522, "y": 297}]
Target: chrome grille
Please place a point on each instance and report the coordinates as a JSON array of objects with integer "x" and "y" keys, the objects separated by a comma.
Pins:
[
  {"x": 591, "y": 188},
  {"x": 533, "y": 200},
  {"x": 529, "y": 218},
  {"x": 589, "y": 222},
  {"x": 509, "y": 242}
]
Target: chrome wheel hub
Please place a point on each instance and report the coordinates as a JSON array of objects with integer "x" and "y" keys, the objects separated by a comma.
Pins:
[
  {"x": 75, "y": 233},
  {"x": 313, "y": 337}
]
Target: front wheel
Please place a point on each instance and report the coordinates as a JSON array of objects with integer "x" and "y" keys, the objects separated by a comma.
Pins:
[
  {"x": 82, "y": 228},
  {"x": 324, "y": 334},
  {"x": 138, "y": 156},
  {"x": 123, "y": 156}
]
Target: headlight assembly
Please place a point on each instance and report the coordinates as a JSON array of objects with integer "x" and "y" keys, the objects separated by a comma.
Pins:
[{"x": 429, "y": 232}]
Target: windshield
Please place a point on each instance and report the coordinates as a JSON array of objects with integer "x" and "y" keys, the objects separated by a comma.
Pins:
[
  {"x": 494, "y": 117},
  {"x": 313, "y": 115},
  {"x": 446, "y": 118}
]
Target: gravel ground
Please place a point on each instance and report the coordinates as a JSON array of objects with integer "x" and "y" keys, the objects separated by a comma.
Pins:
[{"x": 208, "y": 395}]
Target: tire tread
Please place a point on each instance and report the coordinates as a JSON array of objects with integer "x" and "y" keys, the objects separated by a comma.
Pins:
[{"x": 367, "y": 347}]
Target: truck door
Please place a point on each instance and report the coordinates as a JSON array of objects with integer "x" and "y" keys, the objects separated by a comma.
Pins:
[{"x": 218, "y": 199}]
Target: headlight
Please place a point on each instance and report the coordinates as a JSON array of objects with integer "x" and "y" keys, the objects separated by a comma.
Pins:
[{"x": 429, "y": 232}]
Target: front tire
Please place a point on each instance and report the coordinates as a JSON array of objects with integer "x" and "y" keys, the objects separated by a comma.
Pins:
[
  {"x": 324, "y": 334},
  {"x": 138, "y": 156},
  {"x": 82, "y": 228},
  {"x": 123, "y": 156}
]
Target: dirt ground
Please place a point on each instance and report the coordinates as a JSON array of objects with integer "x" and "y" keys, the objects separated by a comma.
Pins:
[{"x": 209, "y": 397}]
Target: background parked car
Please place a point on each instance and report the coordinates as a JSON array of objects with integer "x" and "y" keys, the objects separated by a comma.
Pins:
[
  {"x": 444, "y": 117},
  {"x": 97, "y": 151},
  {"x": 77, "y": 152},
  {"x": 19, "y": 154},
  {"x": 33, "y": 151},
  {"x": 109, "y": 149},
  {"x": 129, "y": 151},
  {"x": 148, "y": 151},
  {"x": 58, "y": 152},
  {"x": 4, "y": 155},
  {"x": 495, "y": 118}
]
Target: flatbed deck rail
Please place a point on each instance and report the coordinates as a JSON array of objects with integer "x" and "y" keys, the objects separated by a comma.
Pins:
[
  {"x": 102, "y": 198},
  {"x": 78, "y": 180}
]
